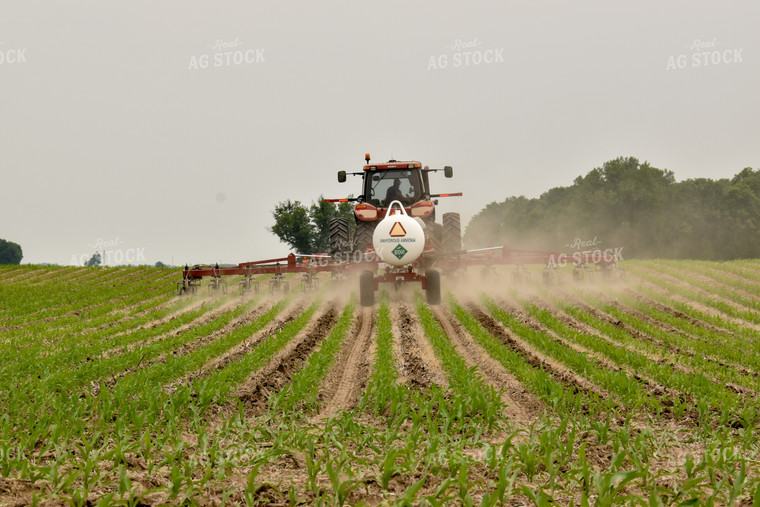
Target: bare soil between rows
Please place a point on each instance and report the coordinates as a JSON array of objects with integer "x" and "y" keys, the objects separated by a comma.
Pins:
[
  {"x": 349, "y": 375},
  {"x": 535, "y": 358},
  {"x": 418, "y": 366},
  {"x": 188, "y": 347},
  {"x": 279, "y": 371},
  {"x": 521, "y": 405}
]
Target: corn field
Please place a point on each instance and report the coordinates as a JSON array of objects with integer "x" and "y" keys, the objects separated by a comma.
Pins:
[{"x": 641, "y": 391}]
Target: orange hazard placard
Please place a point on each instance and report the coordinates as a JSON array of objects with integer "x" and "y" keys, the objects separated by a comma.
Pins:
[{"x": 397, "y": 231}]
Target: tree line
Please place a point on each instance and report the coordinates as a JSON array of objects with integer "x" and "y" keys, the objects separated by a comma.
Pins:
[
  {"x": 10, "y": 252},
  {"x": 307, "y": 228},
  {"x": 629, "y": 204}
]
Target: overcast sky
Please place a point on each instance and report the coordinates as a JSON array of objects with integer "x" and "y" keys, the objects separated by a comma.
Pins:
[{"x": 169, "y": 130}]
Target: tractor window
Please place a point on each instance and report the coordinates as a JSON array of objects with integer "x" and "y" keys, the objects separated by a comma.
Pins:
[{"x": 383, "y": 188}]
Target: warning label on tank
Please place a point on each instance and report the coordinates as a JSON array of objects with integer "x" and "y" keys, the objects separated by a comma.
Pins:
[
  {"x": 397, "y": 231},
  {"x": 399, "y": 252}
]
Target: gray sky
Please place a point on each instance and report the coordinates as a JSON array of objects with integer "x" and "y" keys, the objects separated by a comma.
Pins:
[{"x": 112, "y": 130}]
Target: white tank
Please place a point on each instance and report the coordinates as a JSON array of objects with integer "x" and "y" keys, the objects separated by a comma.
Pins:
[{"x": 398, "y": 239}]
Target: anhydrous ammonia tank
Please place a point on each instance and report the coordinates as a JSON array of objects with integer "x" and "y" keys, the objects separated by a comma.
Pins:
[{"x": 398, "y": 239}]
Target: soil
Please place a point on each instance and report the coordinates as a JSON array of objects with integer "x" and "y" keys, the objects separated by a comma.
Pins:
[
  {"x": 235, "y": 353},
  {"x": 418, "y": 366},
  {"x": 348, "y": 377},
  {"x": 255, "y": 392},
  {"x": 535, "y": 358},
  {"x": 199, "y": 321},
  {"x": 521, "y": 405},
  {"x": 678, "y": 313},
  {"x": 655, "y": 389},
  {"x": 712, "y": 311},
  {"x": 187, "y": 347},
  {"x": 419, "y": 369}
]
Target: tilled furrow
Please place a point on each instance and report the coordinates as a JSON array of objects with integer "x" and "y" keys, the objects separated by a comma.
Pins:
[
  {"x": 521, "y": 405},
  {"x": 283, "y": 365},
  {"x": 419, "y": 367},
  {"x": 351, "y": 371},
  {"x": 534, "y": 358}
]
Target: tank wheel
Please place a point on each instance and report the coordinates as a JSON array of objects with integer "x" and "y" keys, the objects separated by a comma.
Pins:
[
  {"x": 367, "y": 288},
  {"x": 433, "y": 290}
]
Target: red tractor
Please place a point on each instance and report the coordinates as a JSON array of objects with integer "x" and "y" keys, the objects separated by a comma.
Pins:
[
  {"x": 407, "y": 182},
  {"x": 395, "y": 240}
]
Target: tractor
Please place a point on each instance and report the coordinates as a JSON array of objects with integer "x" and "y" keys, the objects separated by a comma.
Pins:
[
  {"x": 382, "y": 183},
  {"x": 394, "y": 239}
]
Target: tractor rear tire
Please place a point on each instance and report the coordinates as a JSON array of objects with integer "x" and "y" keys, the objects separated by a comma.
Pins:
[
  {"x": 452, "y": 233},
  {"x": 433, "y": 290},
  {"x": 363, "y": 236},
  {"x": 367, "y": 288},
  {"x": 339, "y": 236}
]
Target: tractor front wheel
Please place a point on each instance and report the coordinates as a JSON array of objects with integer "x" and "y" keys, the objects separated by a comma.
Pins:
[
  {"x": 339, "y": 236},
  {"x": 363, "y": 236}
]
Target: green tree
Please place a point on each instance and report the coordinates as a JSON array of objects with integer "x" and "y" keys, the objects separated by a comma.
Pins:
[
  {"x": 320, "y": 214},
  {"x": 307, "y": 230},
  {"x": 95, "y": 260},
  {"x": 10, "y": 252},
  {"x": 630, "y": 204},
  {"x": 292, "y": 226}
]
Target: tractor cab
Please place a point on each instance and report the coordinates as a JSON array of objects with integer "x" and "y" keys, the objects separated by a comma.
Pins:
[{"x": 384, "y": 184}]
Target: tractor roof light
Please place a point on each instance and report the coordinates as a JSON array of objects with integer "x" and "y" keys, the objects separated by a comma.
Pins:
[{"x": 366, "y": 157}]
